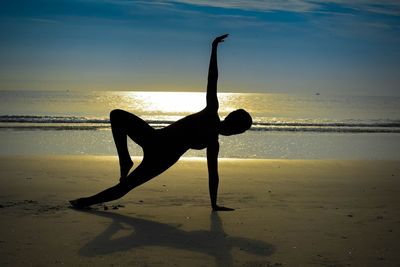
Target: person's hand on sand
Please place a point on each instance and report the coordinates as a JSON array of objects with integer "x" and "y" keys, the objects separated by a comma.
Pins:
[
  {"x": 220, "y": 39},
  {"x": 221, "y": 208}
]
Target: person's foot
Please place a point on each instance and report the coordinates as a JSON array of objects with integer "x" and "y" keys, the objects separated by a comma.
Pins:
[
  {"x": 77, "y": 203},
  {"x": 125, "y": 167}
]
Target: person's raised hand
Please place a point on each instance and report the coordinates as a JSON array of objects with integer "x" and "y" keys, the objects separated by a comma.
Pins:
[{"x": 220, "y": 39}]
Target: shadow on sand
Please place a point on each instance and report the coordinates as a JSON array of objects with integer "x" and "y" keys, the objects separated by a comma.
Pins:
[{"x": 150, "y": 233}]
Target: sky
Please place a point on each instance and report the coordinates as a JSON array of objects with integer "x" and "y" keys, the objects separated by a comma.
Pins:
[{"x": 296, "y": 46}]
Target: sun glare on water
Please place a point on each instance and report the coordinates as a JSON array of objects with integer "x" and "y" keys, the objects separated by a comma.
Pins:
[
  {"x": 171, "y": 102},
  {"x": 174, "y": 103}
]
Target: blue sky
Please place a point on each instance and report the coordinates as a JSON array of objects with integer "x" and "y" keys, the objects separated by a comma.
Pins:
[{"x": 305, "y": 46}]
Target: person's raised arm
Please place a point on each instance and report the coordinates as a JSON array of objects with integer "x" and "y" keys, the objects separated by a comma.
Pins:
[
  {"x": 213, "y": 177},
  {"x": 212, "y": 99}
]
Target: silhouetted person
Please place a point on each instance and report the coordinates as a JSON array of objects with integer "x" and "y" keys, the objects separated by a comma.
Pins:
[{"x": 163, "y": 147}]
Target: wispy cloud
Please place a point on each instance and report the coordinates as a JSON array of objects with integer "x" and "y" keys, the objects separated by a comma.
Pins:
[
  {"x": 254, "y": 5},
  {"x": 387, "y": 7},
  {"x": 384, "y": 7},
  {"x": 43, "y": 20}
]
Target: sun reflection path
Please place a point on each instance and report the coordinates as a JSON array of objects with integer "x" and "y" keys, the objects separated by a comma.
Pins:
[
  {"x": 182, "y": 103},
  {"x": 170, "y": 102}
]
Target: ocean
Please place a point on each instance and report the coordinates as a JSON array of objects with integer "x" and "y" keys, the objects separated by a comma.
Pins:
[{"x": 286, "y": 126}]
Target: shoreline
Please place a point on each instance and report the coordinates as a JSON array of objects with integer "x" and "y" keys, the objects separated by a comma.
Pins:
[
  {"x": 257, "y": 145},
  {"x": 287, "y": 213}
]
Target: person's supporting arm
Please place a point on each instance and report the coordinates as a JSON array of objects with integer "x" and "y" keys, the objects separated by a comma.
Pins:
[
  {"x": 213, "y": 178},
  {"x": 212, "y": 100}
]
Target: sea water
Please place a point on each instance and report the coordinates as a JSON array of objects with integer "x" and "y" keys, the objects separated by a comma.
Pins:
[{"x": 285, "y": 125}]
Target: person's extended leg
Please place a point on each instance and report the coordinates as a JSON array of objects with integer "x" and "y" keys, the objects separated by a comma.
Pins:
[
  {"x": 140, "y": 175},
  {"x": 125, "y": 124}
]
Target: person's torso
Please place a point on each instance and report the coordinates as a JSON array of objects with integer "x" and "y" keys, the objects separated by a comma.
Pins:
[{"x": 195, "y": 131}]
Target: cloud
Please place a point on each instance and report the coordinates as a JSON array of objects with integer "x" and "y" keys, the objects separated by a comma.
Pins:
[
  {"x": 253, "y": 5},
  {"x": 385, "y": 7},
  {"x": 370, "y": 15}
]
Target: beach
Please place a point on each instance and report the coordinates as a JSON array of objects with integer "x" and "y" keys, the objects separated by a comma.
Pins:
[
  {"x": 287, "y": 213},
  {"x": 284, "y": 114}
]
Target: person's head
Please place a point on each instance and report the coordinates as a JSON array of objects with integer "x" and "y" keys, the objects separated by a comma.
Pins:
[{"x": 236, "y": 122}]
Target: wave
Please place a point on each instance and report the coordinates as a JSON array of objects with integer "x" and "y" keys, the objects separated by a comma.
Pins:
[
  {"x": 50, "y": 119},
  {"x": 36, "y": 122},
  {"x": 326, "y": 127}
]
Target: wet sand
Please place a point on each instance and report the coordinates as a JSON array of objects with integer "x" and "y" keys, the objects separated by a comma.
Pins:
[{"x": 288, "y": 213}]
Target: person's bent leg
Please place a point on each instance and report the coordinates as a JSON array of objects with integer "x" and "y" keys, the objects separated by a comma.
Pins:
[
  {"x": 125, "y": 124},
  {"x": 120, "y": 140}
]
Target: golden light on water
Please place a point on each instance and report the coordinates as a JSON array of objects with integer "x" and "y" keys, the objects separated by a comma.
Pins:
[{"x": 175, "y": 102}]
